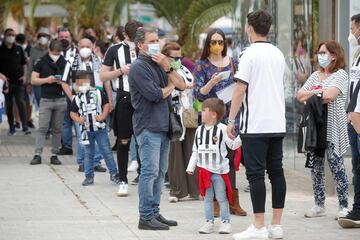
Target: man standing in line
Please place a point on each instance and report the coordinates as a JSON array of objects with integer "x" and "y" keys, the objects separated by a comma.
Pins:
[
  {"x": 12, "y": 66},
  {"x": 151, "y": 82},
  {"x": 353, "y": 217},
  {"x": 259, "y": 88}
]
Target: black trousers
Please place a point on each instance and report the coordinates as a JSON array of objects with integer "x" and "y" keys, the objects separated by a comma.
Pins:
[
  {"x": 16, "y": 91},
  {"x": 260, "y": 154}
]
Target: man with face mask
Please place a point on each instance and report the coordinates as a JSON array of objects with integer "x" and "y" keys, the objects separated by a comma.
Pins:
[
  {"x": 86, "y": 60},
  {"x": 353, "y": 218},
  {"x": 47, "y": 74},
  {"x": 116, "y": 65},
  {"x": 12, "y": 65},
  {"x": 151, "y": 81}
]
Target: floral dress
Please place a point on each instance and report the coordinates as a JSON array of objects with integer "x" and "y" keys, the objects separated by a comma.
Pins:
[{"x": 203, "y": 71}]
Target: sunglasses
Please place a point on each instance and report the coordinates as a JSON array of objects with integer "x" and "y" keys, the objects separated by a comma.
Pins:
[
  {"x": 176, "y": 58},
  {"x": 214, "y": 42}
]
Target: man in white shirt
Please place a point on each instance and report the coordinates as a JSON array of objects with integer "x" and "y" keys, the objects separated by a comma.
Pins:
[{"x": 260, "y": 91}]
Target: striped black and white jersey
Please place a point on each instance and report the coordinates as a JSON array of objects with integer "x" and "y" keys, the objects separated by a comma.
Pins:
[
  {"x": 354, "y": 76},
  {"x": 117, "y": 56},
  {"x": 209, "y": 149},
  {"x": 261, "y": 67}
]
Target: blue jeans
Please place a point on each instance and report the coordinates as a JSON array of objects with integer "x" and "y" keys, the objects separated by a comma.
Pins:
[
  {"x": 80, "y": 153},
  {"x": 217, "y": 189},
  {"x": 133, "y": 152},
  {"x": 37, "y": 94},
  {"x": 66, "y": 132},
  {"x": 354, "y": 139},
  {"x": 154, "y": 154},
  {"x": 102, "y": 139}
]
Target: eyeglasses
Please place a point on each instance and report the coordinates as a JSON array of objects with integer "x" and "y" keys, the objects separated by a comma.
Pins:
[
  {"x": 214, "y": 42},
  {"x": 322, "y": 53},
  {"x": 176, "y": 58}
]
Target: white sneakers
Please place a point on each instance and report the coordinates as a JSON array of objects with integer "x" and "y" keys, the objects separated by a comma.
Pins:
[
  {"x": 343, "y": 212},
  {"x": 133, "y": 166},
  {"x": 275, "y": 232},
  {"x": 123, "y": 190},
  {"x": 315, "y": 211},
  {"x": 173, "y": 199},
  {"x": 225, "y": 227},
  {"x": 208, "y": 227},
  {"x": 252, "y": 233}
]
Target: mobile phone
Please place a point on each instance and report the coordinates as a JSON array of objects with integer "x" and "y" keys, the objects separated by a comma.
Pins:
[{"x": 224, "y": 75}]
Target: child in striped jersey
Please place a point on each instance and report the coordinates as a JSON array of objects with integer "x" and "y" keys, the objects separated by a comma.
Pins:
[{"x": 210, "y": 156}]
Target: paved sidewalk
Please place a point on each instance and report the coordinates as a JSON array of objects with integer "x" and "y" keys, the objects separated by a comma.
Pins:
[{"x": 48, "y": 202}]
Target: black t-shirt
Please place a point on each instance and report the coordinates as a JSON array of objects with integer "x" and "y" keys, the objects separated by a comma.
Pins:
[
  {"x": 12, "y": 62},
  {"x": 46, "y": 67}
]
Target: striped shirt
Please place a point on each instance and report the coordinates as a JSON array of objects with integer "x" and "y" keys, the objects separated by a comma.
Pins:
[
  {"x": 117, "y": 56},
  {"x": 209, "y": 149},
  {"x": 337, "y": 120},
  {"x": 354, "y": 76}
]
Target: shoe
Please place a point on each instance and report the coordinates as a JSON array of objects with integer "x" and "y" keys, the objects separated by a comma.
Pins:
[
  {"x": 47, "y": 135},
  {"x": 315, "y": 211},
  {"x": 114, "y": 148},
  {"x": 152, "y": 224},
  {"x": 235, "y": 207},
  {"x": 173, "y": 199},
  {"x": 247, "y": 189},
  {"x": 65, "y": 151},
  {"x": 167, "y": 184},
  {"x": 81, "y": 168},
  {"x": 135, "y": 181},
  {"x": 12, "y": 132},
  {"x": 275, "y": 232},
  {"x": 123, "y": 190},
  {"x": 168, "y": 222},
  {"x": 343, "y": 212},
  {"x": 36, "y": 160},
  {"x": 99, "y": 168},
  {"x": 54, "y": 160},
  {"x": 17, "y": 125},
  {"x": 252, "y": 233},
  {"x": 207, "y": 228},
  {"x": 115, "y": 178},
  {"x": 26, "y": 131},
  {"x": 88, "y": 181},
  {"x": 225, "y": 227},
  {"x": 30, "y": 124},
  {"x": 194, "y": 197},
  {"x": 352, "y": 220},
  {"x": 133, "y": 166}
]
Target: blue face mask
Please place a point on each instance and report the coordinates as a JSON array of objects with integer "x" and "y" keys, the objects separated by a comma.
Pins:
[
  {"x": 153, "y": 48},
  {"x": 323, "y": 60}
]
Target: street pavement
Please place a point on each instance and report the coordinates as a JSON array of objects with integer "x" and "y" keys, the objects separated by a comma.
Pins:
[{"x": 46, "y": 202}]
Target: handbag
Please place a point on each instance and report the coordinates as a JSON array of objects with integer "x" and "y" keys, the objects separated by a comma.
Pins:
[
  {"x": 190, "y": 118},
  {"x": 175, "y": 128}
]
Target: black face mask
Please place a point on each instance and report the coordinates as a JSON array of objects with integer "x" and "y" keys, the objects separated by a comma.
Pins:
[{"x": 65, "y": 44}]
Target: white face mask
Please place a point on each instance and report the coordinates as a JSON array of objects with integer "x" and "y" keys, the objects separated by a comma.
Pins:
[
  {"x": 43, "y": 40},
  {"x": 352, "y": 39},
  {"x": 54, "y": 57},
  {"x": 10, "y": 39},
  {"x": 85, "y": 52}
]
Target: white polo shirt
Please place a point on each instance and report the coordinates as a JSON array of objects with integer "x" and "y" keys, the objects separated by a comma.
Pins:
[{"x": 261, "y": 67}]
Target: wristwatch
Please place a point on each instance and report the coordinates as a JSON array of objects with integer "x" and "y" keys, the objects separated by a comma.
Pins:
[
  {"x": 170, "y": 70},
  {"x": 231, "y": 121}
]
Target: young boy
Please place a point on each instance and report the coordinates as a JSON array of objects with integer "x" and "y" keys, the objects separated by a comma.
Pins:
[
  {"x": 90, "y": 108},
  {"x": 210, "y": 156}
]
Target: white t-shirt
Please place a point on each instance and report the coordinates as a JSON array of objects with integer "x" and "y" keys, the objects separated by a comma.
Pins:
[{"x": 261, "y": 67}]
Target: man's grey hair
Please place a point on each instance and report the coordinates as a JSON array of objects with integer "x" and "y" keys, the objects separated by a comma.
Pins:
[{"x": 141, "y": 33}]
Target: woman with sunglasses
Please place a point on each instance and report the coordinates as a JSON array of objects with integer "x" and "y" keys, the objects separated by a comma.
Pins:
[
  {"x": 330, "y": 82},
  {"x": 209, "y": 81}
]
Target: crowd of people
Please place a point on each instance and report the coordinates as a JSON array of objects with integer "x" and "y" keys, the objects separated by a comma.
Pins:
[{"x": 219, "y": 112}]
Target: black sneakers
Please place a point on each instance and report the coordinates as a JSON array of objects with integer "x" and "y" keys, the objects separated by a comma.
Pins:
[
  {"x": 168, "y": 222},
  {"x": 36, "y": 160},
  {"x": 99, "y": 168},
  {"x": 352, "y": 220},
  {"x": 54, "y": 160},
  {"x": 81, "y": 168},
  {"x": 135, "y": 181},
  {"x": 65, "y": 151},
  {"x": 152, "y": 224}
]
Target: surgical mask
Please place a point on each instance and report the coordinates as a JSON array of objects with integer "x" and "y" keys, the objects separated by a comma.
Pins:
[
  {"x": 323, "y": 60},
  {"x": 43, "y": 40},
  {"x": 216, "y": 49},
  {"x": 54, "y": 57},
  {"x": 153, "y": 48},
  {"x": 85, "y": 52},
  {"x": 84, "y": 88},
  {"x": 352, "y": 39},
  {"x": 176, "y": 64},
  {"x": 10, "y": 39},
  {"x": 65, "y": 43}
]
